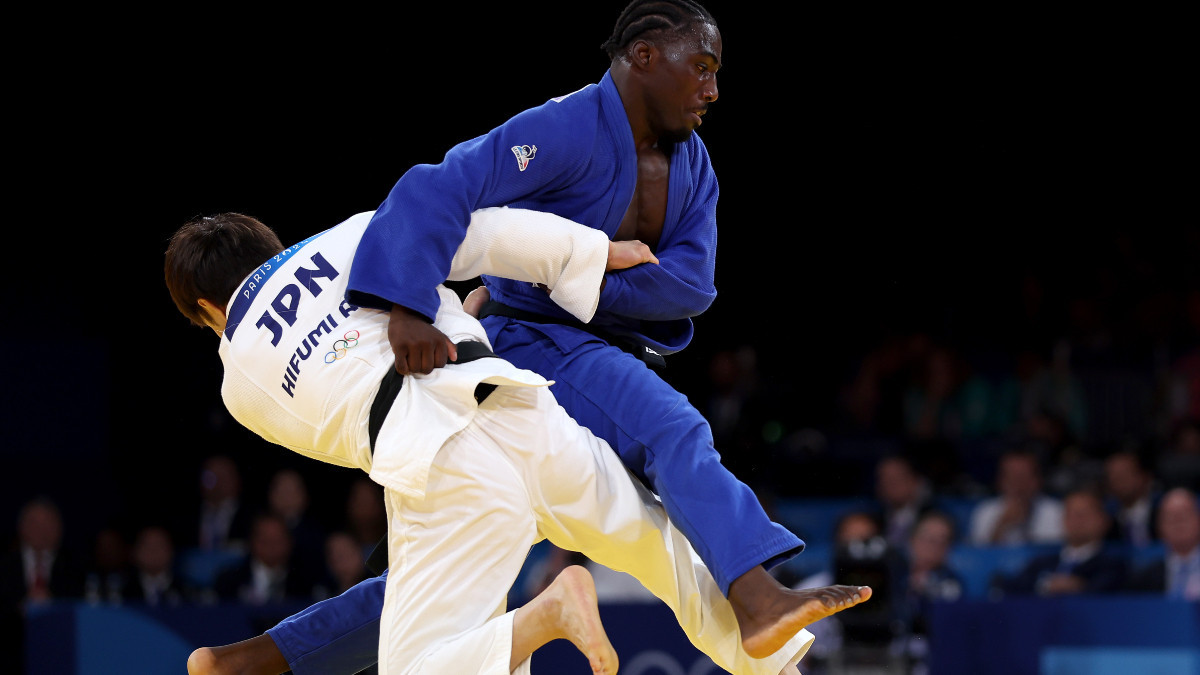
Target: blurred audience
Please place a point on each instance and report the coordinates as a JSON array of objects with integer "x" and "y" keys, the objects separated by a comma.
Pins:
[
  {"x": 1020, "y": 512},
  {"x": 153, "y": 579},
  {"x": 36, "y": 571},
  {"x": 344, "y": 563},
  {"x": 287, "y": 497},
  {"x": 1177, "y": 573},
  {"x": 1132, "y": 497},
  {"x": 223, "y": 522},
  {"x": 1179, "y": 463},
  {"x": 930, "y": 579},
  {"x": 366, "y": 515},
  {"x": 41, "y": 569},
  {"x": 267, "y": 574},
  {"x": 108, "y": 569},
  {"x": 903, "y": 495},
  {"x": 1083, "y": 564}
]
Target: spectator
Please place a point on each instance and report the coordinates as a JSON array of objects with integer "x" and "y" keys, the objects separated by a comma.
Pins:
[
  {"x": 108, "y": 568},
  {"x": 224, "y": 521},
  {"x": 903, "y": 495},
  {"x": 287, "y": 497},
  {"x": 38, "y": 570},
  {"x": 1020, "y": 513},
  {"x": 1179, "y": 465},
  {"x": 41, "y": 569},
  {"x": 153, "y": 580},
  {"x": 1082, "y": 564},
  {"x": 930, "y": 579},
  {"x": 366, "y": 516},
  {"x": 1132, "y": 497},
  {"x": 1177, "y": 573},
  {"x": 344, "y": 562},
  {"x": 266, "y": 575}
]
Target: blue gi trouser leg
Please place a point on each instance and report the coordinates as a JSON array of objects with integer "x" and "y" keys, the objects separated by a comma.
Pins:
[
  {"x": 337, "y": 635},
  {"x": 660, "y": 437}
]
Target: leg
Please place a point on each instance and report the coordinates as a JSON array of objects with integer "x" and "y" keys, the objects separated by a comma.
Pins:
[
  {"x": 612, "y": 518},
  {"x": 453, "y": 556},
  {"x": 339, "y": 635},
  {"x": 663, "y": 440},
  {"x": 256, "y": 656}
]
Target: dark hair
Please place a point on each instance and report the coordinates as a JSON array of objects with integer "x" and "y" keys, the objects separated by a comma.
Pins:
[
  {"x": 210, "y": 255},
  {"x": 646, "y": 17}
]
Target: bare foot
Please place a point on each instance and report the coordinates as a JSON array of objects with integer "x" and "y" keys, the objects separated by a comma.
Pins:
[
  {"x": 567, "y": 609},
  {"x": 769, "y": 614}
]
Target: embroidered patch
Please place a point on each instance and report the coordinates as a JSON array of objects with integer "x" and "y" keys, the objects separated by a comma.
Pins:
[{"x": 524, "y": 153}]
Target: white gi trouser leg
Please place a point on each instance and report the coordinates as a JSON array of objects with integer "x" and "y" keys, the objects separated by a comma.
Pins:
[{"x": 524, "y": 470}]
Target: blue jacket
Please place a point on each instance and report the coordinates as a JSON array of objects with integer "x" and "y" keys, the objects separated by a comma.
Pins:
[{"x": 573, "y": 156}]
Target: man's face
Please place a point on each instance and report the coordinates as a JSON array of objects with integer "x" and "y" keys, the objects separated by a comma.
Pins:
[
  {"x": 1124, "y": 478},
  {"x": 271, "y": 544},
  {"x": 1084, "y": 520},
  {"x": 930, "y": 543},
  {"x": 896, "y": 483},
  {"x": 684, "y": 81},
  {"x": 1179, "y": 522},
  {"x": 1018, "y": 477}
]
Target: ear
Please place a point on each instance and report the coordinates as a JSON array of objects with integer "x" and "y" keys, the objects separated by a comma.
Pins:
[{"x": 642, "y": 54}]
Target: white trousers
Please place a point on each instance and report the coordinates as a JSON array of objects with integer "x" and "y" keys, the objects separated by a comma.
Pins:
[{"x": 524, "y": 471}]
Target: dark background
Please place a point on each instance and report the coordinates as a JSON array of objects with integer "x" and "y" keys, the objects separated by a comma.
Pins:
[{"x": 882, "y": 170}]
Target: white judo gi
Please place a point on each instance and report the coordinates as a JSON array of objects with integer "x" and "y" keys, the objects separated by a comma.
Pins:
[{"x": 469, "y": 487}]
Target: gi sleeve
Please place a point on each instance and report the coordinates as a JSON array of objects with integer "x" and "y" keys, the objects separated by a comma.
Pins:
[
  {"x": 408, "y": 247},
  {"x": 537, "y": 247}
]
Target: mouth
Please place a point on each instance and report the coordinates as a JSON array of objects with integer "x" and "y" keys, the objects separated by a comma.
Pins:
[{"x": 698, "y": 114}]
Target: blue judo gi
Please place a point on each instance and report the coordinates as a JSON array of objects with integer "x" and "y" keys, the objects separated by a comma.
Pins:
[{"x": 574, "y": 156}]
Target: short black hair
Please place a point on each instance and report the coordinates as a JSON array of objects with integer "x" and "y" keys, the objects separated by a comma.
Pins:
[{"x": 642, "y": 17}]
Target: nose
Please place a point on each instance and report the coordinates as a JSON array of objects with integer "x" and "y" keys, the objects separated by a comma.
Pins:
[{"x": 710, "y": 90}]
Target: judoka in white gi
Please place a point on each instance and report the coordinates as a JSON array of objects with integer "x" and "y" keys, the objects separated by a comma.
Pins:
[{"x": 470, "y": 485}]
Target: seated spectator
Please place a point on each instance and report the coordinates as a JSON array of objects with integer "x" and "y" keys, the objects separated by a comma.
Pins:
[
  {"x": 1083, "y": 564},
  {"x": 108, "y": 569},
  {"x": 287, "y": 497},
  {"x": 1020, "y": 513},
  {"x": 37, "y": 571},
  {"x": 930, "y": 579},
  {"x": 903, "y": 495},
  {"x": 344, "y": 563},
  {"x": 1179, "y": 465},
  {"x": 366, "y": 516},
  {"x": 41, "y": 568},
  {"x": 153, "y": 580},
  {"x": 266, "y": 575},
  {"x": 222, "y": 522},
  {"x": 1177, "y": 574},
  {"x": 1132, "y": 497}
]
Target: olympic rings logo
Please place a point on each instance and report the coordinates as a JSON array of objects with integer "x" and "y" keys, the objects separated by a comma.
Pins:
[{"x": 348, "y": 341}]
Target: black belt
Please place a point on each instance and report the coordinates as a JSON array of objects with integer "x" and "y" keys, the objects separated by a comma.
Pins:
[
  {"x": 389, "y": 388},
  {"x": 646, "y": 355}
]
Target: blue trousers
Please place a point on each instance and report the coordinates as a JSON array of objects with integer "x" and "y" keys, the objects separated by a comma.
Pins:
[
  {"x": 337, "y": 636},
  {"x": 659, "y": 436}
]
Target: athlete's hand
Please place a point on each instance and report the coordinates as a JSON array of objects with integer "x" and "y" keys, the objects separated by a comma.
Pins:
[
  {"x": 626, "y": 254},
  {"x": 475, "y": 300},
  {"x": 418, "y": 346}
]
